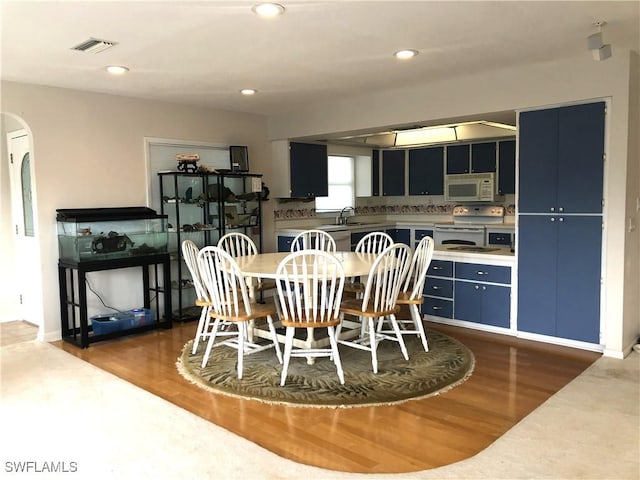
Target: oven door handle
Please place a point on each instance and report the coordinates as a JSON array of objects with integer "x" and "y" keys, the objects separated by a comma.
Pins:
[{"x": 462, "y": 230}]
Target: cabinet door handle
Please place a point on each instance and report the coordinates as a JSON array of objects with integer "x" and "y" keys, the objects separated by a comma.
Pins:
[
  {"x": 553, "y": 209},
  {"x": 553, "y": 219},
  {"x": 436, "y": 308},
  {"x": 561, "y": 209},
  {"x": 477, "y": 287},
  {"x": 435, "y": 288},
  {"x": 561, "y": 219},
  {"x": 484, "y": 288},
  {"x": 480, "y": 272},
  {"x": 437, "y": 268}
]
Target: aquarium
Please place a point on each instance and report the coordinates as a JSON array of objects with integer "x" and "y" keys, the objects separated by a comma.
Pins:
[{"x": 90, "y": 234}]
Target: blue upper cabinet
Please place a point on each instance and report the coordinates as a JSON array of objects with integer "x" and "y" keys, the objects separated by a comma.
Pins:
[
  {"x": 561, "y": 159},
  {"x": 581, "y": 158},
  {"x": 507, "y": 167},
  {"x": 426, "y": 171},
  {"x": 483, "y": 157},
  {"x": 309, "y": 170},
  {"x": 393, "y": 172},
  {"x": 458, "y": 158}
]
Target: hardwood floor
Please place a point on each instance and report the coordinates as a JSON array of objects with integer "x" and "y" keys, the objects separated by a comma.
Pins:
[{"x": 511, "y": 378}]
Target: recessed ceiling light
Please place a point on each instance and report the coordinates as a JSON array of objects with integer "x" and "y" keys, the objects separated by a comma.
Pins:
[
  {"x": 405, "y": 54},
  {"x": 268, "y": 10},
  {"x": 248, "y": 91},
  {"x": 117, "y": 69}
]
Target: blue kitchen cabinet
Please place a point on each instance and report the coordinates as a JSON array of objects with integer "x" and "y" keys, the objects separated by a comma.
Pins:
[
  {"x": 458, "y": 157},
  {"x": 507, "y": 167},
  {"x": 419, "y": 234},
  {"x": 559, "y": 272},
  {"x": 483, "y": 157},
  {"x": 561, "y": 159},
  {"x": 438, "y": 289},
  {"x": 393, "y": 173},
  {"x": 482, "y": 294},
  {"x": 438, "y": 307},
  {"x": 357, "y": 236},
  {"x": 499, "y": 238},
  {"x": 284, "y": 243},
  {"x": 482, "y": 303},
  {"x": 426, "y": 171},
  {"x": 309, "y": 170},
  {"x": 560, "y": 221},
  {"x": 400, "y": 235},
  {"x": 375, "y": 173}
]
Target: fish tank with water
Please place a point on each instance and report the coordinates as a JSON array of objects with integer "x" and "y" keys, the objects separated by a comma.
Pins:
[{"x": 93, "y": 234}]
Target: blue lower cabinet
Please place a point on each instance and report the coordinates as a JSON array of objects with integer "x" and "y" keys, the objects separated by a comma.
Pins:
[
  {"x": 438, "y": 287},
  {"x": 483, "y": 303},
  {"x": 420, "y": 234},
  {"x": 500, "y": 238},
  {"x": 439, "y": 307},
  {"x": 284, "y": 243},
  {"x": 559, "y": 264},
  {"x": 440, "y": 268},
  {"x": 400, "y": 235}
]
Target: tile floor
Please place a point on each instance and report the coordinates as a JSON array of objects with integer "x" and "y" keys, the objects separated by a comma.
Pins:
[{"x": 17, "y": 331}]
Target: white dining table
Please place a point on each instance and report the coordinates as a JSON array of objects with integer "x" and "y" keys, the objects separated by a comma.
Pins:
[{"x": 265, "y": 265}]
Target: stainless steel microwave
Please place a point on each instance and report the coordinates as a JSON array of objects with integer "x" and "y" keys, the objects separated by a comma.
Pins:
[{"x": 470, "y": 187}]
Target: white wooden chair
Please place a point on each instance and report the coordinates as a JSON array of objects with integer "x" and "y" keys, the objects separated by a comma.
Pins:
[
  {"x": 310, "y": 284},
  {"x": 230, "y": 301},
  {"x": 238, "y": 244},
  {"x": 374, "y": 242},
  {"x": 190, "y": 256},
  {"x": 412, "y": 289},
  {"x": 384, "y": 281},
  {"x": 313, "y": 240}
]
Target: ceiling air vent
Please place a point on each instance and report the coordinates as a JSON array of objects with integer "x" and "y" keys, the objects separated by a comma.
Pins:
[{"x": 93, "y": 45}]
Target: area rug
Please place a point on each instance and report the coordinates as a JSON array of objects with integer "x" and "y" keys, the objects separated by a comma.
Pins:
[{"x": 447, "y": 364}]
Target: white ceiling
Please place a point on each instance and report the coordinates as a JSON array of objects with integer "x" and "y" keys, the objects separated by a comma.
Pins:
[{"x": 203, "y": 52}]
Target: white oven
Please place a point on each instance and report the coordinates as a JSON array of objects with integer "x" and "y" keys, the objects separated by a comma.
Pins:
[
  {"x": 468, "y": 227},
  {"x": 468, "y": 234}
]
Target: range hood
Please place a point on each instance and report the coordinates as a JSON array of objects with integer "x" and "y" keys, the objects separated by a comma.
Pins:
[{"x": 449, "y": 133}]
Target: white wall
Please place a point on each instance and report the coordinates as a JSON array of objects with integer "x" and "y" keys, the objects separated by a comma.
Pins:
[
  {"x": 553, "y": 83},
  {"x": 632, "y": 258},
  {"x": 89, "y": 152}
]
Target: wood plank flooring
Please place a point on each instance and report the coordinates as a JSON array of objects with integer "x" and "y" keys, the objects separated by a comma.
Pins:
[{"x": 511, "y": 378}]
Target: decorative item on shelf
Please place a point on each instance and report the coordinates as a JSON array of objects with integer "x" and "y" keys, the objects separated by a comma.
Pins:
[
  {"x": 214, "y": 193},
  {"x": 239, "y": 158},
  {"x": 206, "y": 169},
  {"x": 187, "y": 162},
  {"x": 231, "y": 216}
]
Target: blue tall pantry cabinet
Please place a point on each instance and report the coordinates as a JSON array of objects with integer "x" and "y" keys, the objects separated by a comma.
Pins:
[{"x": 561, "y": 168}]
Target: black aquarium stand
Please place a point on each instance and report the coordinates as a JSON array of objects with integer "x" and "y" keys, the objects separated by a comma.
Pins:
[{"x": 156, "y": 280}]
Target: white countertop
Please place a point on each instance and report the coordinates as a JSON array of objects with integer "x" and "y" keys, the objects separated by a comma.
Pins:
[{"x": 499, "y": 256}]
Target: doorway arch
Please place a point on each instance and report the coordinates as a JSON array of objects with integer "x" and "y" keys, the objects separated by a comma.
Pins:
[{"x": 21, "y": 294}]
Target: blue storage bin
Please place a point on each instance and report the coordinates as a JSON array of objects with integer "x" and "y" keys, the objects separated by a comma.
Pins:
[
  {"x": 109, "y": 323},
  {"x": 142, "y": 316}
]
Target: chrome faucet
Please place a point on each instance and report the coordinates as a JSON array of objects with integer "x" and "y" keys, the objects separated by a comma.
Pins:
[{"x": 342, "y": 220}]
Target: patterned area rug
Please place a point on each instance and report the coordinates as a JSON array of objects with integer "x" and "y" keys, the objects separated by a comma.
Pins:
[{"x": 447, "y": 364}]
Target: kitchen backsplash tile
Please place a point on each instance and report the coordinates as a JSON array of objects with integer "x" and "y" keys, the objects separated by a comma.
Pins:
[{"x": 302, "y": 211}]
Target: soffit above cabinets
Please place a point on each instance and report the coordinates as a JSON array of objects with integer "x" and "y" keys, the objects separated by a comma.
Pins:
[{"x": 417, "y": 136}]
